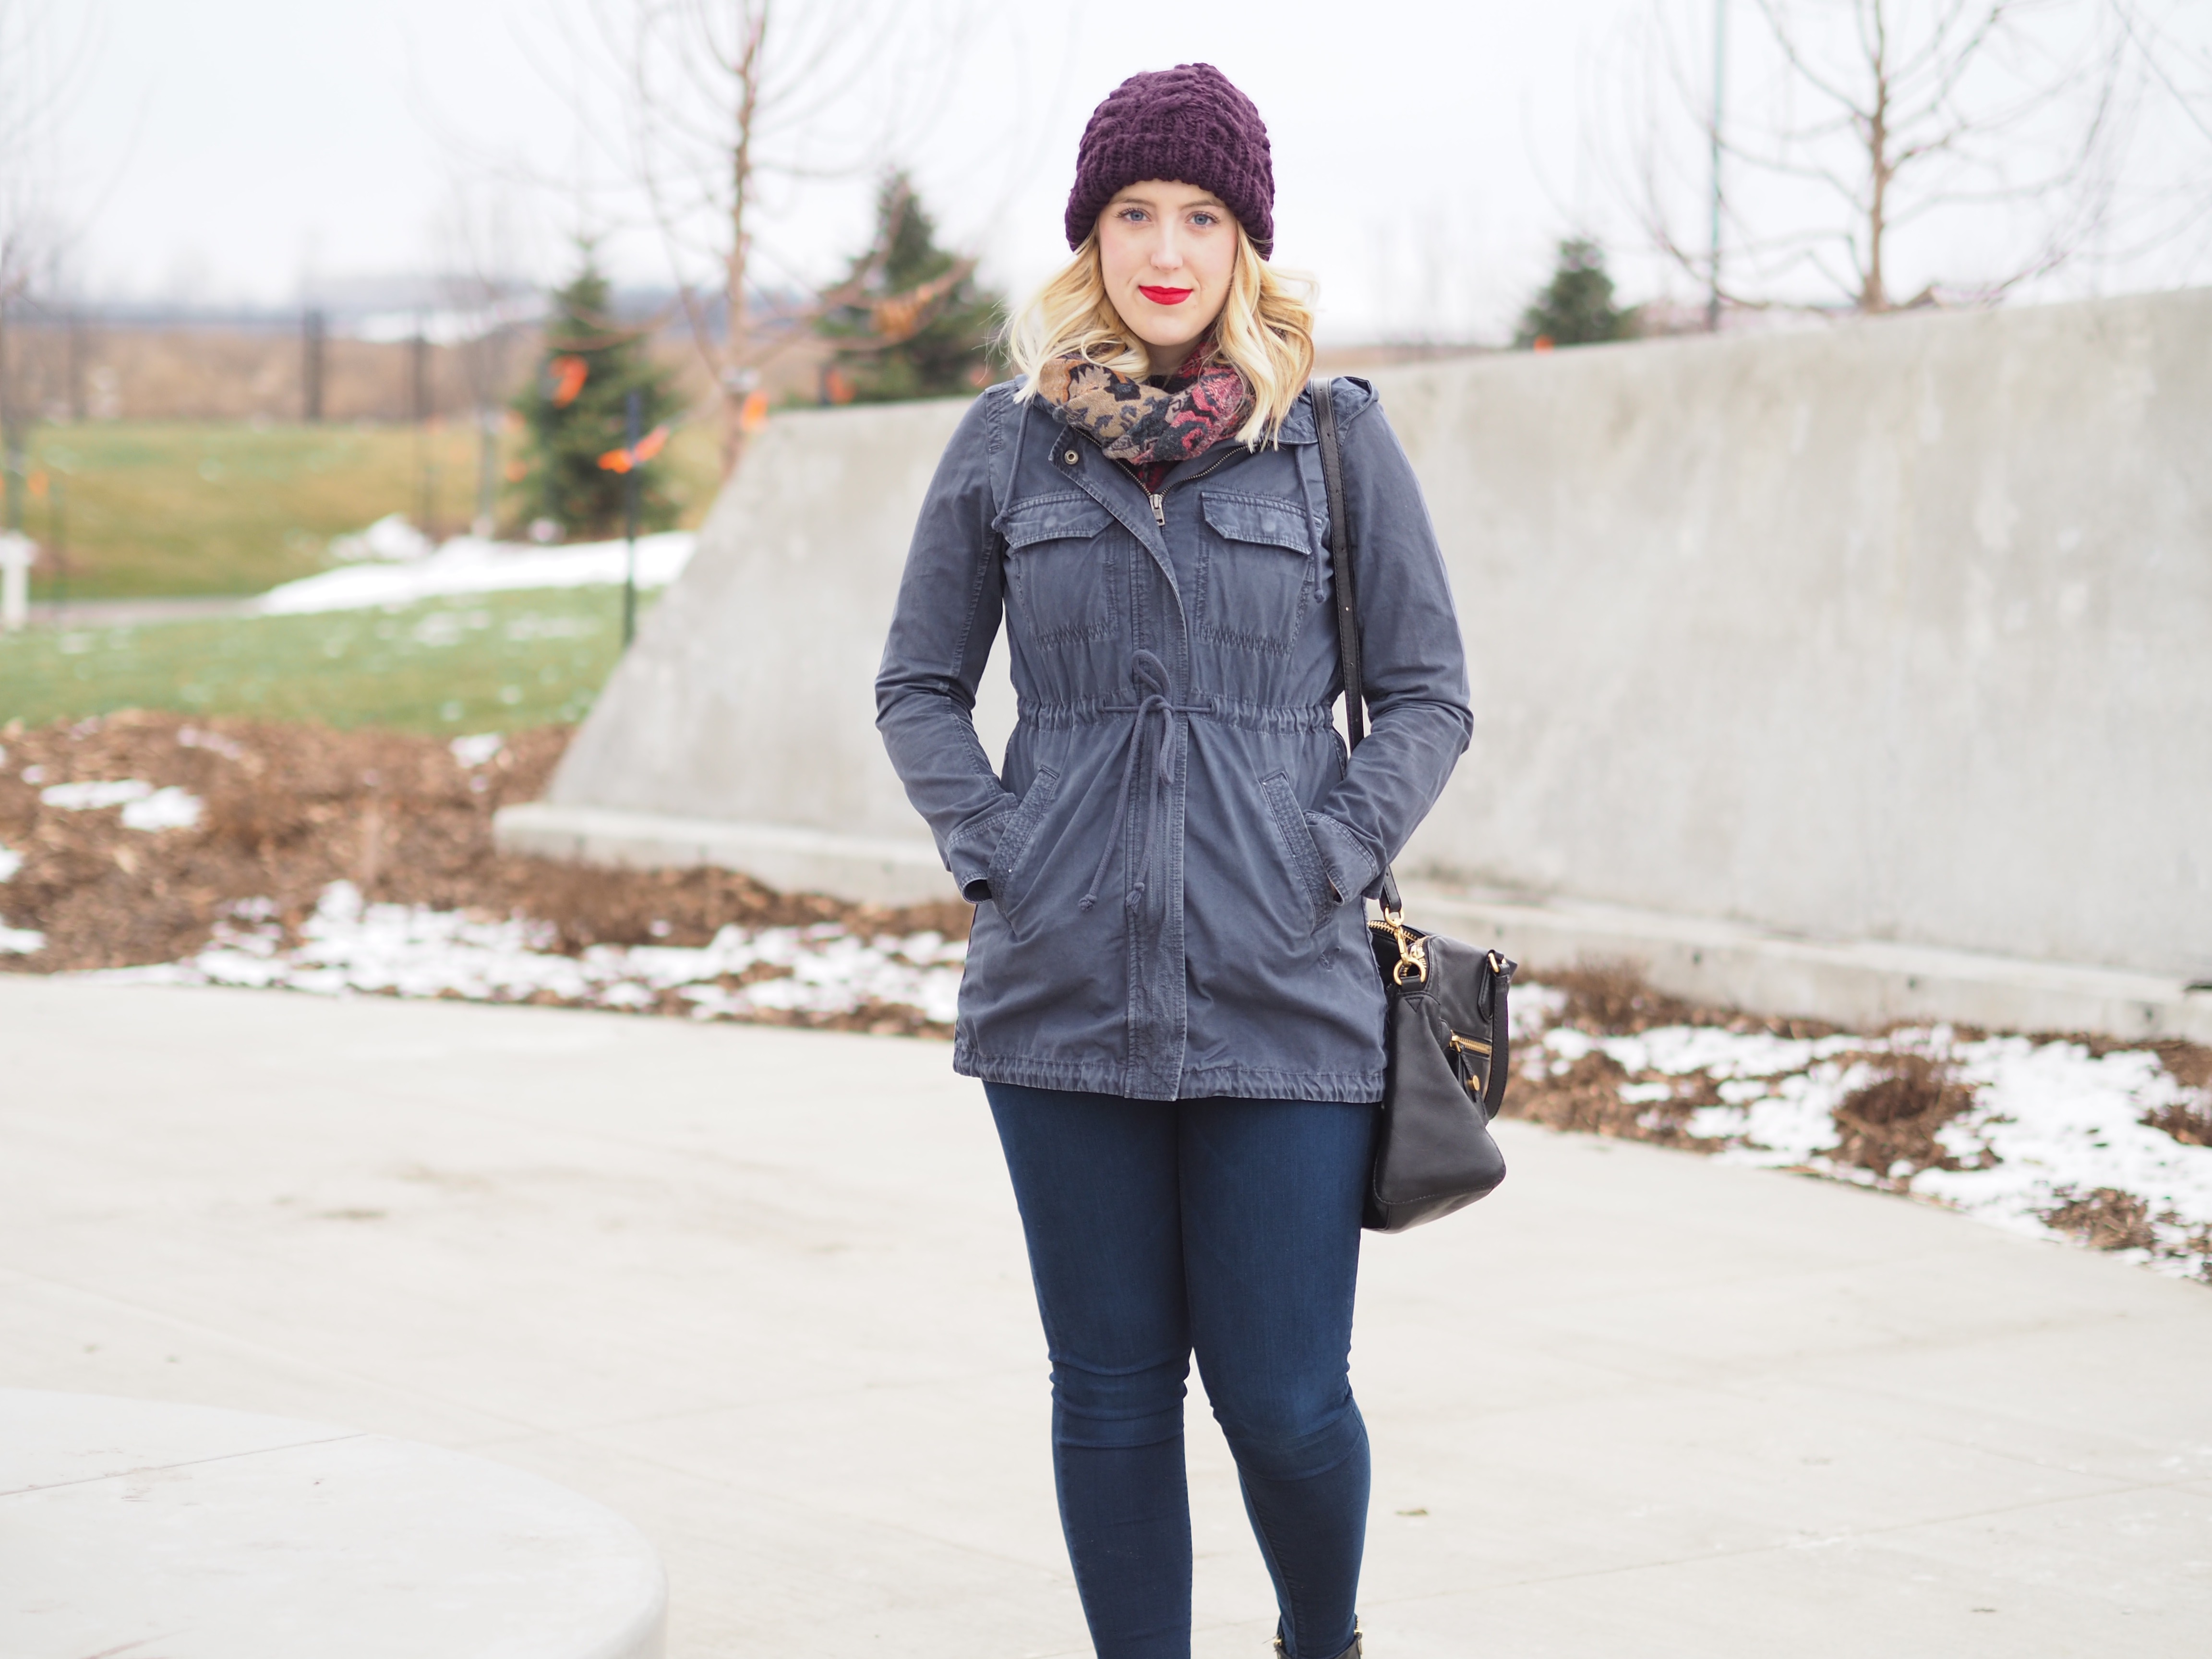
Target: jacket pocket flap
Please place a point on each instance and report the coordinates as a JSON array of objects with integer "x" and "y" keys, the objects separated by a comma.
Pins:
[
  {"x": 1254, "y": 519},
  {"x": 1051, "y": 518}
]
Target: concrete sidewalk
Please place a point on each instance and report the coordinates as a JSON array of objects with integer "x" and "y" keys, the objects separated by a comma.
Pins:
[{"x": 762, "y": 1293}]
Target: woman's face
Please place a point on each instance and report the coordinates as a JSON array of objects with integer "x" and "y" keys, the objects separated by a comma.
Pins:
[{"x": 1166, "y": 251}]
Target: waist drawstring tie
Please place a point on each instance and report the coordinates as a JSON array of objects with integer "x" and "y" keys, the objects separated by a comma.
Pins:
[{"x": 1151, "y": 675}]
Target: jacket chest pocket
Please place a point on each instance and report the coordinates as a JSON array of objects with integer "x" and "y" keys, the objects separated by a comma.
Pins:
[
  {"x": 1256, "y": 578},
  {"x": 1062, "y": 555}
]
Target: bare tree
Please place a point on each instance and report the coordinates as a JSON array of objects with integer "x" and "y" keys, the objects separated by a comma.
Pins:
[
  {"x": 2172, "y": 210},
  {"x": 1995, "y": 123},
  {"x": 726, "y": 99}
]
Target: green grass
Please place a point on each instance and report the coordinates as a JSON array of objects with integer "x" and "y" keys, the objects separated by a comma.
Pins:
[
  {"x": 173, "y": 508},
  {"x": 447, "y": 665}
]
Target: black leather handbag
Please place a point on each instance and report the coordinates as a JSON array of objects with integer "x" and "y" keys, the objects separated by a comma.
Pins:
[{"x": 1446, "y": 1041}]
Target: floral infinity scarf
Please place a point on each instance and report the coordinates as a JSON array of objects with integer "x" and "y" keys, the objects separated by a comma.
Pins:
[{"x": 1149, "y": 427}]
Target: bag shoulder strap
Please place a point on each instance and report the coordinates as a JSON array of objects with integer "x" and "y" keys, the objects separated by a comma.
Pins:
[
  {"x": 1347, "y": 598},
  {"x": 1339, "y": 560}
]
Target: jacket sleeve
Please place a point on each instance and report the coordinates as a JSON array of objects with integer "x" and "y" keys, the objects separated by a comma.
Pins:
[
  {"x": 946, "y": 617},
  {"x": 1412, "y": 658}
]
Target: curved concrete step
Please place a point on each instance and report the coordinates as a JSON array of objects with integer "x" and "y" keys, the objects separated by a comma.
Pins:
[{"x": 131, "y": 1526}]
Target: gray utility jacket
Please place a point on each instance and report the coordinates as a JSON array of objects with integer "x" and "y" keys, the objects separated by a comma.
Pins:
[{"x": 1169, "y": 873}]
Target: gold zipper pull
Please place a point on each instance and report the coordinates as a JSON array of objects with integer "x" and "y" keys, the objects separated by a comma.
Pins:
[
  {"x": 1476, "y": 1075},
  {"x": 1159, "y": 513}
]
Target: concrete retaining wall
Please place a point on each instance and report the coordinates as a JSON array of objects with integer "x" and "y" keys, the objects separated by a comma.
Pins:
[
  {"x": 749, "y": 698},
  {"x": 1897, "y": 635}
]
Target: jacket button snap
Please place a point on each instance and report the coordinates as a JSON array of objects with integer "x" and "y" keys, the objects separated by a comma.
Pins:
[{"x": 1072, "y": 458}]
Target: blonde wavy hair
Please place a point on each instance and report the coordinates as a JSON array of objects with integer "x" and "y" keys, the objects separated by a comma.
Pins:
[{"x": 1264, "y": 329}]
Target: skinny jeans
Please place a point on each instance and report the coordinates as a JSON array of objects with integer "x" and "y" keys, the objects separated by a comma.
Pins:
[{"x": 1226, "y": 1228}]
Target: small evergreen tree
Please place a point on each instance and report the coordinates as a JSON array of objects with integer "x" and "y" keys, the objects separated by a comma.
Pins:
[
  {"x": 1576, "y": 307},
  {"x": 576, "y": 411},
  {"x": 921, "y": 326}
]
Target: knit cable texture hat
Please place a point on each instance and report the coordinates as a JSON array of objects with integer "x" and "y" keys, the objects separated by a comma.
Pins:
[{"x": 1188, "y": 124}]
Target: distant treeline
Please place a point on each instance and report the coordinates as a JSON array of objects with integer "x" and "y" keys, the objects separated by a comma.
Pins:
[{"x": 88, "y": 366}]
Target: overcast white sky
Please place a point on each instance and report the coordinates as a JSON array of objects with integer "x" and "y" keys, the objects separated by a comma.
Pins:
[{"x": 1427, "y": 152}]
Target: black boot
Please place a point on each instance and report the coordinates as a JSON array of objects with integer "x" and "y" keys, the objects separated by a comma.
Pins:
[{"x": 1351, "y": 1652}]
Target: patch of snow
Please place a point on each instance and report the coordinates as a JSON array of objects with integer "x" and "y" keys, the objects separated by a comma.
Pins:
[
  {"x": 94, "y": 797},
  {"x": 478, "y": 749},
  {"x": 414, "y": 950},
  {"x": 391, "y": 539},
  {"x": 10, "y": 862},
  {"x": 35, "y": 775},
  {"x": 1792, "y": 1124},
  {"x": 144, "y": 807},
  {"x": 171, "y": 808},
  {"x": 21, "y": 941},
  {"x": 2057, "y": 1123},
  {"x": 467, "y": 564},
  {"x": 2049, "y": 1123}
]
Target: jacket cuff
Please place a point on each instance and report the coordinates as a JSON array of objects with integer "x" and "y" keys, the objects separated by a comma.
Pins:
[
  {"x": 968, "y": 851},
  {"x": 1352, "y": 869}
]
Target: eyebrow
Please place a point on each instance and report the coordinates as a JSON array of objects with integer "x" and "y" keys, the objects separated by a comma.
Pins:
[{"x": 1132, "y": 197}]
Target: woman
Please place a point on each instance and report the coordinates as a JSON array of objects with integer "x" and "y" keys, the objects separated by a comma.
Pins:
[{"x": 1168, "y": 995}]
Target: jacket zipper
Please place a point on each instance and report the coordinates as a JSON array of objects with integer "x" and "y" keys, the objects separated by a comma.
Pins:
[{"x": 1157, "y": 498}]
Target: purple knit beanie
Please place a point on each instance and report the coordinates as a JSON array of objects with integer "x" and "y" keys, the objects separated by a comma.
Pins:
[{"x": 1187, "y": 124}]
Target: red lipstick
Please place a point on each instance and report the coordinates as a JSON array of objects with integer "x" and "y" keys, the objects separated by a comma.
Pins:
[{"x": 1164, "y": 296}]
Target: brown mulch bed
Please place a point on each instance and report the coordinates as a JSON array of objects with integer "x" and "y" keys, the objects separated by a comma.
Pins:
[
  {"x": 2106, "y": 1219},
  {"x": 289, "y": 809},
  {"x": 1888, "y": 1128},
  {"x": 1612, "y": 999}
]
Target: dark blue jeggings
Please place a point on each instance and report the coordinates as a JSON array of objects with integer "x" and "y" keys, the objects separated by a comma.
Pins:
[{"x": 1226, "y": 1227}]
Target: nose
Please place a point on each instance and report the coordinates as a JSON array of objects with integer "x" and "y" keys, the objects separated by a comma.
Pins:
[{"x": 1167, "y": 254}]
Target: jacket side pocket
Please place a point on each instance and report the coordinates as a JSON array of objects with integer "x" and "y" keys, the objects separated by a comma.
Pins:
[
  {"x": 1009, "y": 859},
  {"x": 1299, "y": 844}
]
